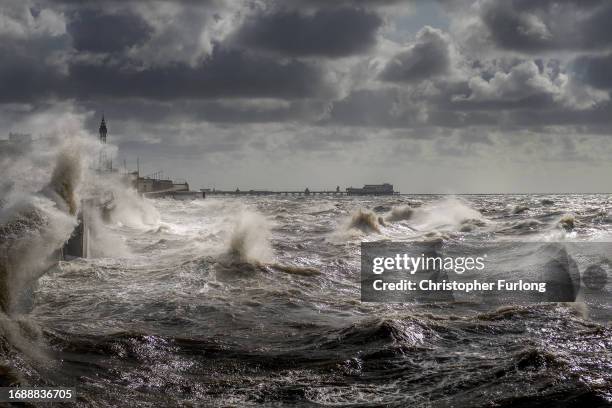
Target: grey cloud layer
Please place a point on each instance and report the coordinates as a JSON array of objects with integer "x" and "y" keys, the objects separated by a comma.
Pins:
[
  {"x": 336, "y": 32},
  {"x": 95, "y": 31},
  {"x": 518, "y": 63},
  {"x": 536, "y": 26},
  {"x": 427, "y": 58}
]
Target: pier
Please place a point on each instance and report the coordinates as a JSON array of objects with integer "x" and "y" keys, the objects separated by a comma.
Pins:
[
  {"x": 305, "y": 192},
  {"x": 367, "y": 190},
  {"x": 174, "y": 193}
]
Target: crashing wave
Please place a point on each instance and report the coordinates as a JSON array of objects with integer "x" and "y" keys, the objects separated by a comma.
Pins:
[
  {"x": 400, "y": 214},
  {"x": 365, "y": 221},
  {"x": 33, "y": 228},
  {"x": 519, "y": 209},
  {"x": 567, "y": 222},
  {"x": 249, "y": 241}
]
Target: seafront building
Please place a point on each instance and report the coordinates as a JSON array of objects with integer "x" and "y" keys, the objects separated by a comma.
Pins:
[
  {"x": 154, "y": 183},
  {"x": 372, "y": 189}
]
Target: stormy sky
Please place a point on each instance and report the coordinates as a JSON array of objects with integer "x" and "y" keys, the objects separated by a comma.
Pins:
[{"x": 432, "y": 96}]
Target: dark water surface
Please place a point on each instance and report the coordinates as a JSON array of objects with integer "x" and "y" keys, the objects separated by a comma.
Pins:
[{"x": 242, "y": 302}]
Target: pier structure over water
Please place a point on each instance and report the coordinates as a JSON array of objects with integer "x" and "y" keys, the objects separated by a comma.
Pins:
[
  {"x": 304, "y": 192},
  {"x": 368, "y": 189}
]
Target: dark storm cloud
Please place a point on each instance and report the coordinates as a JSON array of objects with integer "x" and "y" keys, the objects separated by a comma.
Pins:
[
  {"x": 93, "y": 30},
  {"x": 535, "y": 26},
  {"x": 336, "y": 3},
  {"x": 336, "y": 32},
  {"x": 428, "y": 57},
  {"x": 594, "y": 70},
  {"x": 227, "y": 73},
  {"x": 23, "y": 78}
]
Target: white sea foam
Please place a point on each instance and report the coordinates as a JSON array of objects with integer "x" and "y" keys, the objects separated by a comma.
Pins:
[{"x": 250, "y": 238}]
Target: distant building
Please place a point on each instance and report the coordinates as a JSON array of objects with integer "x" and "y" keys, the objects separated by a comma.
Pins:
[
  {"x": 153, "y": 183},
  {"x": 144, "y": 185},
  {"x": 149, "y": 184},
  {"x": 181, "y": 186},
  {"x": 372, "y": 189}
]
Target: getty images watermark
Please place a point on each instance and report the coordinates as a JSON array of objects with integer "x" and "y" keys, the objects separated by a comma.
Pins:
[
  {"x": 413, "y": 264},
  {"x": 508, "y": 272}
]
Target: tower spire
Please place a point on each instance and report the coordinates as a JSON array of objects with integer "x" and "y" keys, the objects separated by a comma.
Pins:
[
  {"x": 103, "y": 131},
  {"x": 103, "y": 164}
]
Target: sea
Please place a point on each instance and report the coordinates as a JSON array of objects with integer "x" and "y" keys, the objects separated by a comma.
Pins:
[{"x": 256, "y": 301}]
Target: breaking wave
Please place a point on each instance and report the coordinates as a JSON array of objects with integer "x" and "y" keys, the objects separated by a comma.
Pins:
[
  {"x": 567, "y": 222},
  {"x": 365, "y": 221},
  {"x": 400, "y": 213},
  {"x": 33, "y": 227},
  {"x": 123, "y": 206},
  {"x": 65, "y": 179},
  {"x": 249, "y": 241},
  {"x": 519, "y": 209},
  {"x": 444, "y": 215}
]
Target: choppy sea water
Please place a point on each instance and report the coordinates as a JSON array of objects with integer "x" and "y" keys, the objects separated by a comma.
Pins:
[{"x": 255, "y": 301}]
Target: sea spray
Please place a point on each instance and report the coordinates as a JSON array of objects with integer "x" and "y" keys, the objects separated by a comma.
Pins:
[
  {"x": 567, "y": 222},
  {"x": 364, "y": 221},
  {"x": 29, "y": 245},
  {"x": 26, "y": 166},
  {"x": 120, "y": 203},
  {"x": 249, "y": 241},
  {"x": 360, "y": 222},
  {"x": 446, "y": 214},
  {"x": 103, "y": 241},
  {"x": 39, "y": 208},
  {"x": 116, "y": 205},
  {"x": 400, "y": 213},
  {"x": 64, "y": 181},
  {"x": 33, "y": 228},
  {"x": 249, "y": 249},
  {"x": 40, "y": 198}
]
